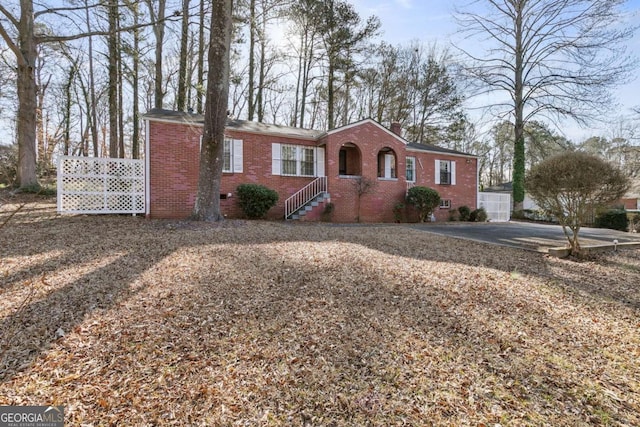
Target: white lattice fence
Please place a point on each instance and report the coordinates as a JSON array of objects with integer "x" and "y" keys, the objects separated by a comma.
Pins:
[
  {"x": 497, "y": 205},
  {"x": 93, "y": 185}
]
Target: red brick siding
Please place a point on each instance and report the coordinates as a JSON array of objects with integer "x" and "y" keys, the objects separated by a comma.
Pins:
[
  {"x": 630, "y": 204},
  {"x": 173, "y": 173},
  {"x": 174, "y": 150},
  {"x": 463, "y": 193},
  {"x": 174, "y": 169}
]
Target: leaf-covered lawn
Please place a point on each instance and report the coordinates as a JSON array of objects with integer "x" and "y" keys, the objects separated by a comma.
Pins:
[{"x": 127, "y": 321}]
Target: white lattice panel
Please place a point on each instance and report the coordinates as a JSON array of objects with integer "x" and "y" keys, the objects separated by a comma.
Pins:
[{"x": 100, "y": 186}]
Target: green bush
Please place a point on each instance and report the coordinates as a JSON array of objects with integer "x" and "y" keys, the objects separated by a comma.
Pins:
[
  {"x": 479, "y": 215},
  {"x": 454, "y": 215},
  {"x": 465, "y": 213},
  {"x": 424, "y": 199},
  {"x": 614, "y": 219},
  {"x": 256, "y": 200}
]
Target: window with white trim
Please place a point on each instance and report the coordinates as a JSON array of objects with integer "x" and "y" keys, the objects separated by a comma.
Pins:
[
  {"x": 411, "y": 169},
  {"x": 297, "y": 160},
  {"x": 445, "y": 203},
  {"x": 232, "y": 156},
  {"x": 445, "y": 172},
  {"x": 387, "y": 164}
]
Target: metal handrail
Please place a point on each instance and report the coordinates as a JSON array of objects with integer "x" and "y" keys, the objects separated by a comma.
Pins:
[{"x": 304, "y": 195}]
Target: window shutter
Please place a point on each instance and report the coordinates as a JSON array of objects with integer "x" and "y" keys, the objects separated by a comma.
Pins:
[
  {"x": 237, "y": 156},
  {"x": 437, "y": 171},
  {"x": 453, "y": 173},
  {"x": 276, "y": 163},
  {"x": 320, "y": 161}
]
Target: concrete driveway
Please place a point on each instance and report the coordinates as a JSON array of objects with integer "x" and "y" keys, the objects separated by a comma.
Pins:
[{"x": 524, "y": 235}]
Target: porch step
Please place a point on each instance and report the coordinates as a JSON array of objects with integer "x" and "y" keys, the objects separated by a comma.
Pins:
[{"x": 311, "y": 205}]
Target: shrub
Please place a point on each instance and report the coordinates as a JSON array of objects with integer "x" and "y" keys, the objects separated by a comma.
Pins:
[
  {"x": 327, "y": 212},
  {"x": 572, "y": 185},
  {"x": 398, "y": 212},
  {"x": 256, "y": 200},
  {"x": 479, "y": 215},
  {"x": 424, "y": 199},
  {"x": 454, "y": 215},
  {"x": 614, "y": 219},
  {"x": 465, "y": 213}
]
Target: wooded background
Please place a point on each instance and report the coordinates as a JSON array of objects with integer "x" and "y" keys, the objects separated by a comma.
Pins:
[{"x": 310, "y": 63}]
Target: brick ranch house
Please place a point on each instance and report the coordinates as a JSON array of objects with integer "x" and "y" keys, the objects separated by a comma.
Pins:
[{"x": 306, "y": 167}]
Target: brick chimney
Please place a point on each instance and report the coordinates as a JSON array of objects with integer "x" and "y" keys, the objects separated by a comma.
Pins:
[{"x": 396, "y": 128}]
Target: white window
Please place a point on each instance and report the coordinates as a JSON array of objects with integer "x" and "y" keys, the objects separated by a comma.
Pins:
[
  {"x": 289, "y": 160},
  {"x": 445, "y": 203},
  {"x": 386, "y": 164},
  {"x": 297, "y": 160},
  {"x": 445, "y": 172},
  {"x": 411, "y": 169},
  {"x": 232, "y": 156}
]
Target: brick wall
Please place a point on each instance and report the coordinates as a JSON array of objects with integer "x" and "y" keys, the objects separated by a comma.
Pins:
[
  {"x": 173, "y": 174},
  {"x": 174, "y": 152},
  {"x": 463, "y": 193}
]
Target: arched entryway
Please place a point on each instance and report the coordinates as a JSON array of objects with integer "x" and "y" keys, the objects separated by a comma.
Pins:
[{"x": 349, "y": 160}]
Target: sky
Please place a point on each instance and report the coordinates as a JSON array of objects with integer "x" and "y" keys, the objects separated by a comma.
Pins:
[{"x": 432, "y": 21}]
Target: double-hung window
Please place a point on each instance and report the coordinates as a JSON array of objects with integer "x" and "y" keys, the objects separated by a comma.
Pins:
[
  {"x": 411, "y": 169},
  {"x": 445, "y": 172},
  {"x": 307, "y": 161},
  {"x": 297, "y": 160},
  {"x": 232, "y": 155},
  {"x": 289, "y": 160}
]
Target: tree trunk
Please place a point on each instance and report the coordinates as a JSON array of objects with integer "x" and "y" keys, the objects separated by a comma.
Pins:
[
  {"x": 93, "y": 115},
  {"x": 261, "y": 73},
  {"x": 182, "y": 70},
  {"x": 67, "y": 108},
  {"x": 112, "y": 92},
  {"x": 207, "y": 206},
  {"x": 26, "y": 87},
  {"x": 121, "y": 153},
  {"x": 518, "y": 149},
  {"x": 200, "y": 85},
  {"x": 135, "y": 135},
  {"x": 252, "y": 59},
  {"x": 158, "y": 31},
  {"x": 330, "y": 95}
]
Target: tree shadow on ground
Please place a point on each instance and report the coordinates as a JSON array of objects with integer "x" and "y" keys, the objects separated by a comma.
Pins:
[{"x": 311, "y": 330}]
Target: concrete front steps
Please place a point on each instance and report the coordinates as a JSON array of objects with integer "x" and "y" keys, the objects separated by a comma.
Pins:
[{"x": 312, "y": 211}]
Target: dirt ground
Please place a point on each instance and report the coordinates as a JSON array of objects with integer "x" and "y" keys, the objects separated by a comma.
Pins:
[{"x": 129, "y": 321}]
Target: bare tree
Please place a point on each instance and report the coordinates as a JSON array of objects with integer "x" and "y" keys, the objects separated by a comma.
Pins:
[
  {"x": 158, "y": 18},
  {"x": 304, "y": 16},
  {"x": 184, "y": 45},
  {"x": 207, "y": 206},
  {"x": 20, "y": 35},
  {"x": 362, "y": 186},
  {"x": 343, "y": 35},
  {"x": 556, "y": 58}
]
